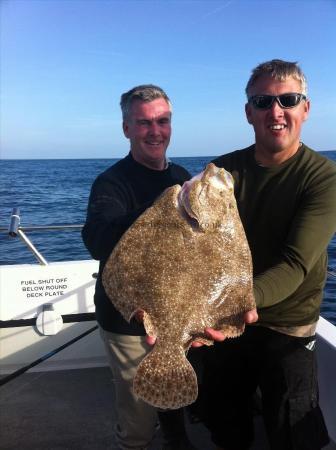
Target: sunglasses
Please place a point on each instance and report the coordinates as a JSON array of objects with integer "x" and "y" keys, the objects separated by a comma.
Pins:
[{"x": 286, "y": 101}]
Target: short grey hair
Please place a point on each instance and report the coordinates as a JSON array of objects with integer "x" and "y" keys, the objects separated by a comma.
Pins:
[
  {"x": 279, "y": 70},
  {"x": 143, "y": 92}
]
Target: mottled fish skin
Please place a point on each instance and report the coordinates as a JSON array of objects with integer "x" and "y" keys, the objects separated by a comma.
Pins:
[{"x": 187, "y": 264}]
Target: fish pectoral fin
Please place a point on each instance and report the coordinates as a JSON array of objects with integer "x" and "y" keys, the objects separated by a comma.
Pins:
[
  {"x": 148, "y": 324},
  {"x": 137, "y": 314},
  {"x": 231, "y": 326},
  {"x": 143, "y": 317},
  {"x": 166, "y": 379}
]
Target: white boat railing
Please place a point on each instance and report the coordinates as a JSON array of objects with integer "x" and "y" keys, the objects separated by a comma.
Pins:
[{"x": 15, "y": 230}]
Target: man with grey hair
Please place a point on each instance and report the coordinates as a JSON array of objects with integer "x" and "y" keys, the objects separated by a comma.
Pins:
[
  {"x": 286, "y": 196},
  {"x": 118, "y": 197}
]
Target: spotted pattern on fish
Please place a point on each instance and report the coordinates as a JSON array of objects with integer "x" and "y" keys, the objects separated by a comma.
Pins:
[{"x": 187, "y": 264}]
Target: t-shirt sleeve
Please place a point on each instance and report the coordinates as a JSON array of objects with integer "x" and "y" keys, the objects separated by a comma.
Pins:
[{"x": 311, "y": 230}]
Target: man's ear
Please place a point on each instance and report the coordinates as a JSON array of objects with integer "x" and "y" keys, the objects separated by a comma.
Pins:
[
  {"x": 125, "y": 128},
  {"x": 306, "y": 109},
  {"x": 248, "y": 112}
]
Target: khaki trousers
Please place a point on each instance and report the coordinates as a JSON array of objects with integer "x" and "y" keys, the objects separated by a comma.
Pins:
[{"x": 136, "y": 420}]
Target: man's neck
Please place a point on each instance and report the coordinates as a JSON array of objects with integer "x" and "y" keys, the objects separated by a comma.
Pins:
[
  {"x": 265, "y": 158},
  {"x": 152, "y": 164}
]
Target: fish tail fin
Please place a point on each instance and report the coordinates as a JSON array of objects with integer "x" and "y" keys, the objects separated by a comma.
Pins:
[{"x": 166, "y": 379}]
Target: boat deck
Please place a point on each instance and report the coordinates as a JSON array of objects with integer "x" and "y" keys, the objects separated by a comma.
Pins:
[{"x": 71, "y": 409}]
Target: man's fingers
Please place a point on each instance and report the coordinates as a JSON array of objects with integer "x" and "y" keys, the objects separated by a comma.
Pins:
[
  {"x": 214, "y": 334},
  {"x": 150, "y": 340},
  {"x": 251, "y": 316},
  {"x": 196, "y": 344}
]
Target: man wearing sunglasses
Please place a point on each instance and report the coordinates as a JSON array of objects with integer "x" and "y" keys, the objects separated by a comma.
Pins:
[{"x": 286, "y": 195}]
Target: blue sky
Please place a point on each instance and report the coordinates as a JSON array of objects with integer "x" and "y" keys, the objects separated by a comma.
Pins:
[{"x": 65, "y": 63}]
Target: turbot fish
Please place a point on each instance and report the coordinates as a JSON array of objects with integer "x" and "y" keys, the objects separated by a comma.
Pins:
[{"x": 186, "y": 264}]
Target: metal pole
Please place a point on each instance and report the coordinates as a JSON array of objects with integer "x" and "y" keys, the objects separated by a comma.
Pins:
[
  {"x": 43, "y": 228},
  {"x": 14, "y": 230},
  {"x": 14, "y": 222},
  {"x": 31, "y": 246}
]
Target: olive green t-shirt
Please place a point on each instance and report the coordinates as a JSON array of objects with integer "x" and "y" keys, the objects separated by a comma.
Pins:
[{"x": 289, "y": 215}]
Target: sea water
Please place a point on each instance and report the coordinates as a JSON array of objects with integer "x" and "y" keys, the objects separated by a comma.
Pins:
[{"x": 55, "y": 192}]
